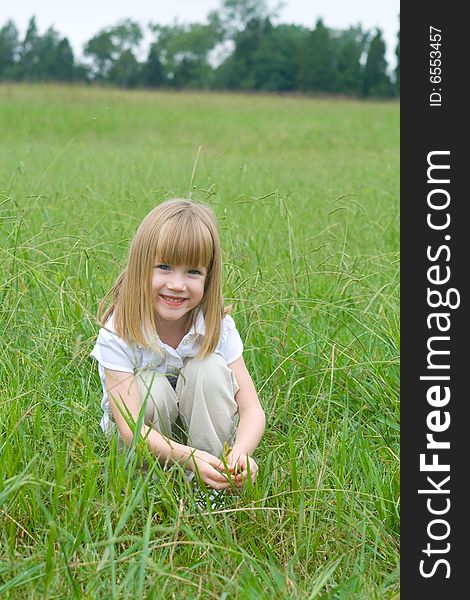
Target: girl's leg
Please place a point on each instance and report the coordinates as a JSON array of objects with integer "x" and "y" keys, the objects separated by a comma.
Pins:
[
  {"x": 206, "y": 390},
  {"x": 161, "y": 407}
]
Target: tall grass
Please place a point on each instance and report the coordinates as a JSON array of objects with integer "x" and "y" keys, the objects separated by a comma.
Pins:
[{"x": 306, "y": 191}]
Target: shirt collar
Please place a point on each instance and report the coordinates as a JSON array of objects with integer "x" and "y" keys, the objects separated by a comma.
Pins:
[{"x": 199, "y": 330}]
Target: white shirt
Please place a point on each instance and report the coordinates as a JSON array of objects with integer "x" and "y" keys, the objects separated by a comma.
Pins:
[{"x": 113, "y": 353}]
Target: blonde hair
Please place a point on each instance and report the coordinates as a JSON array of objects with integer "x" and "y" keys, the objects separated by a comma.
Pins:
[{"x": 177, "y": 232}]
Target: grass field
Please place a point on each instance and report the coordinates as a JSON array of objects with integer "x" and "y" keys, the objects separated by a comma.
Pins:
[{"x": 307, "y": 195}]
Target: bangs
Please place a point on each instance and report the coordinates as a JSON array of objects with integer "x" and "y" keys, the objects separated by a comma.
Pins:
[{"x": 185, "y": 240}]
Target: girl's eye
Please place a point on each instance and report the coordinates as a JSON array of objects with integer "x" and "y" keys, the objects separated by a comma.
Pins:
[
  {"x": 195, "y": 272},
  {"x": 163, "y": 267}
]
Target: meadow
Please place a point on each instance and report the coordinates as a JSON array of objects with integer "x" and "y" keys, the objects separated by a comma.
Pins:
[{"x": 306, "y": 192}]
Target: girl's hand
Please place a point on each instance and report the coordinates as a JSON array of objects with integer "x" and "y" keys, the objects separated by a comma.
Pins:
[
  {"x": 210, "y": 468},
  {"x": 238, "y": 463}
]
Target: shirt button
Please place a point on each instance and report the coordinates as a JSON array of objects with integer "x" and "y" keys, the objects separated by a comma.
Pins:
[{"x": 186, "y": 342}]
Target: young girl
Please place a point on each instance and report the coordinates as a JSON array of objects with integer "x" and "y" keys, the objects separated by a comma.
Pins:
[{"x": 168, "y": 346}]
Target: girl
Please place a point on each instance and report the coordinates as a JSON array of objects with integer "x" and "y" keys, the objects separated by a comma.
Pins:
[{"x": 168, "y": 346}]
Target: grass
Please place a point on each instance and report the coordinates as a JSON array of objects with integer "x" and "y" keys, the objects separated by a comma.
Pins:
[{"x": 306, "y": 191}]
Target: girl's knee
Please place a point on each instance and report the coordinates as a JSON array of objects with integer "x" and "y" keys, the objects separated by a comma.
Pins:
[
  {"x": 211, "y": 372},
  {"x": 205, "y": 365}
]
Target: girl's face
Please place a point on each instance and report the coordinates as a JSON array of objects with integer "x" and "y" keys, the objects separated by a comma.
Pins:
[{"x": 177, "y": 290}]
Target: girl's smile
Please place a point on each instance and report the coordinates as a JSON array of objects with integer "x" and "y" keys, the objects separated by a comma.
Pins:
[{"x": 172, "y": 300}]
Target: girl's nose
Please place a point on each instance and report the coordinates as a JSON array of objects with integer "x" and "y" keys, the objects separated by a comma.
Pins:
[{"x": 177, "y": 282}]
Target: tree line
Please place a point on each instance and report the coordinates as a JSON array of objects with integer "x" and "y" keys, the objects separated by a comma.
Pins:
[{"x": 237, "y": 48}]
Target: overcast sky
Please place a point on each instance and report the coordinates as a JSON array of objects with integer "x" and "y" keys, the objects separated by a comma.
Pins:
[{"x": 79, "y": 20}]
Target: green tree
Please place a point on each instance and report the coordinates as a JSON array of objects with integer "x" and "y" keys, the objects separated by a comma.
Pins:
[
  {"x": 238, "y": 70},
  {"x": 109, "y": 44},
  {"x": 183, "y": 51},
  {"x": 53, "y": 58},
  {"x": 101, "y": 49},
  {"x": 126, "y": 35},
  {"x": 350, "y": 48},
  {"x": 191, "y": 73},
  {"x": 45, "y": 54},
  {"x": 275, "y": 58},
  {"x": 37, "y": 58},
  {"x": 153, "y": 73},
  {"x": 28, "y": 60},
  {"x": 234, "y": 15},
  {"x": 64, "y": 68},
  {"x": 9, "y": 49},
  {"x": 316, "y": 71},
  {"x": 376, "y": 81},
  {"x": 126, "y": 70}
]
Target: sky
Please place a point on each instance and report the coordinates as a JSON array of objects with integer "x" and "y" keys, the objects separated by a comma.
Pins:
[{"x": 79, "y": 20}]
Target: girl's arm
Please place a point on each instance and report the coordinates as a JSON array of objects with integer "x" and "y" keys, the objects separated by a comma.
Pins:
[
  {"x": 124, "y": 397},
  {"x": 252, "y": 420}
]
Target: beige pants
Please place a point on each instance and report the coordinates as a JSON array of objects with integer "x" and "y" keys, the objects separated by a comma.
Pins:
[{"x": 204, "y": 402}]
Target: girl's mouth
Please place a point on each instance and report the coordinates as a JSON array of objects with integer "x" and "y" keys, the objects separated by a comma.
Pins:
[{"x": 173, "y": 300}]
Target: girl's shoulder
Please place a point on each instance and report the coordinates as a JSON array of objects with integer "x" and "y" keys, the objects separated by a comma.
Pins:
[
  {"x": 230, "y": 345},
  {"x": 107, "y": 331},
  {"x": 228, "y": 322},
  {"x": 115, "y": 353},
  {"x": 229, "y": 328}
]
